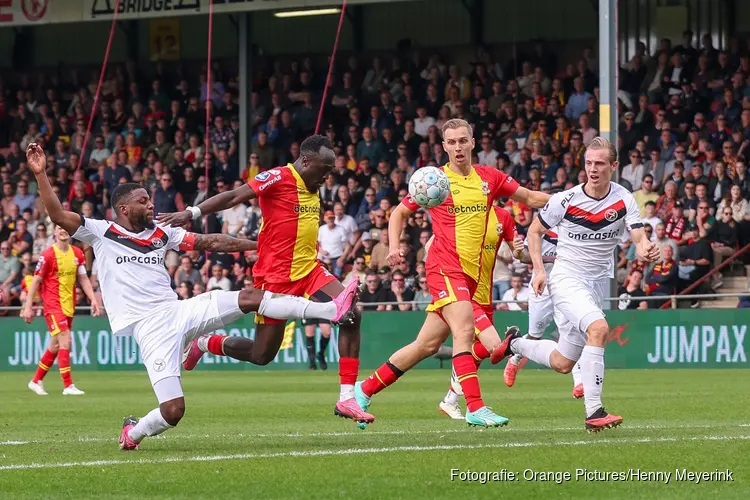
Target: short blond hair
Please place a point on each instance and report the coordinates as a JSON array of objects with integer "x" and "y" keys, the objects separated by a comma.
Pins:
[
  {"x": 600, "y": 142},
  {"x": 455, "y": 123}
]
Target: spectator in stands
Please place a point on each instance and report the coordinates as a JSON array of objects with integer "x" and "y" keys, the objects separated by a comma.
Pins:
[
  {"x": 218, "y": 281},
  {"x": 723, "y": 236},
  {"x": 186, "y": 271},
  {"x": 9, "y": 268},
  {"x": 516, "y": 297},
  {"x": 375, "y": 293},
  {"x": 663, "y": 278},
  {"x": 333, "y": 244},
  {"x": 631, "y": 292},
  {"x": 645, "y": 194}
]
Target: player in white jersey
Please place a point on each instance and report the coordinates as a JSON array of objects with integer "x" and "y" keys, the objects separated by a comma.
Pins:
[
  {"x": 590, "y": 220},
  {"x": 139, "y": 300},
  {"x": 540, "y": 314}
]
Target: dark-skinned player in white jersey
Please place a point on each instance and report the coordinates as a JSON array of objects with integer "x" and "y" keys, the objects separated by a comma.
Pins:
[{"x": 139, "y": 300}]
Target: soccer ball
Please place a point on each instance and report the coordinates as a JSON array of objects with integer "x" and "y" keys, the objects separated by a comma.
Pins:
[{"x": 429, "y": 187}]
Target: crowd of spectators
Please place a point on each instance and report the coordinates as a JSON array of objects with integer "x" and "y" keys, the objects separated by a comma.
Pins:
[{"x": 683, "y": 135}]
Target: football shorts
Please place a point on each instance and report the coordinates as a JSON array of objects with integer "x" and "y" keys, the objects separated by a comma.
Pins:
[
  {"x": 577, "y": 304},
  {"x": 449, "y": 287},
  {"x": 58, "y": 322},
  {"x": 162, "y": 335}
]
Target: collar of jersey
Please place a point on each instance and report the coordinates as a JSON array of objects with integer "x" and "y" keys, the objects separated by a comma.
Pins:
[
  {"x": 135, "y": 234},
  {"x": 451, "y": 173}
]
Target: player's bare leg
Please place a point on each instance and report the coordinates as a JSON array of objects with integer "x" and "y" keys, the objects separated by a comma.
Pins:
[
  {"x": 592, "y": 376},
  {"x": 166, "y": 416},
  {"x": 274, "y": 306}
]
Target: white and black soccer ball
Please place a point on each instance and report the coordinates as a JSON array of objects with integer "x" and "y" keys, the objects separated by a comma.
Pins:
[{"x": 429, "y": 187}]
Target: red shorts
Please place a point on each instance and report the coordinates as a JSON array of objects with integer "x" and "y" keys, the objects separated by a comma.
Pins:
[
  {"x": 58, "y": 322},
  {"x": 449, "y": 287},
  {"x": 305, "y": 287}
]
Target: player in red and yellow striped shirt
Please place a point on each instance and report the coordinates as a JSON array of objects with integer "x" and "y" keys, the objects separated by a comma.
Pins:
[
  {"x": 56, "y": 272},
  {"x": 500, "y": 227},
  {"x": 287, "y": 262},
  {"x": 453, "y": 268}
]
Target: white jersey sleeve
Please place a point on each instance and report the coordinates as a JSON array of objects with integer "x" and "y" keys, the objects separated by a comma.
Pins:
[
  {"x": 633, "y": 214},
  {"x": 554, "y": 211},
  {"x": 91, "y": 230},
  {"x": 175, "y": 235}
]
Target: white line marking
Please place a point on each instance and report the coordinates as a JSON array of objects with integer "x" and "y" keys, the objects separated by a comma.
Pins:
[
  {"x": 94, "y": 439},
  {"x": 364, "y": 451}
]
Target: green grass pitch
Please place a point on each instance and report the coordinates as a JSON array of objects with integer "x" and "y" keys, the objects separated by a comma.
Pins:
[{"x": 265, "y": 435}]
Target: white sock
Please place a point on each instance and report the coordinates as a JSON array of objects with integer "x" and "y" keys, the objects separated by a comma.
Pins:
[
  {"x": 280, "y": 306},
  {"x": 576, "y": 374},
  {"x": 151, "y": 425},
  {"x": 538, "y": 351},
  {"x": 451, "y": 398},
  {"x": 203, "y": 343},
  {"x": 592, "y": 375},
  {"x": 517, "y": 358},
  {"x": 347, "y": 392}
]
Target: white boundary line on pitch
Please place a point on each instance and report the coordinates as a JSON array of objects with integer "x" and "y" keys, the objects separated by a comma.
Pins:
[
  {"x": 86, "y": 439},
  {"x": 364, "y": 451}
]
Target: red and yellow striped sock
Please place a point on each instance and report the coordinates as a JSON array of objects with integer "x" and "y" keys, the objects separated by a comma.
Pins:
[
  {"x": 48, "y": 358},
  {"x": 466, "y": 373},
  {"x": 63, "y": 363},
  {"x": 382, "y": 378},
  {"x": 479, "y": 352}
]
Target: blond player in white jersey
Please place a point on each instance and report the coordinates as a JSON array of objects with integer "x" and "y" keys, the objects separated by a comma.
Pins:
[
  {"x": 540, "y": 314},
  {"x": 590, "y": 220},
  {"x": 139, "y": 300}
]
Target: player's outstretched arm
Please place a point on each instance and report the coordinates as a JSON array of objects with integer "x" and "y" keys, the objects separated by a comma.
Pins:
[
  {"x": 37, "y": 162},
  {"x": 220, "y": 243},
  {"x": 221, "y": 201},
  {"x": 533, "y": 199},
  {"x": 534, "y": 237}
]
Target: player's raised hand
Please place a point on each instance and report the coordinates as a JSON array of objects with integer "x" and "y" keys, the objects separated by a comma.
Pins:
[
  {"x": 539, "y": 282},
  {"x": 517, "y": 245},
  {"x": 176, "y": 219},
  {"x": 395, "y": 257},
  {"x": 35, "y": 158}
]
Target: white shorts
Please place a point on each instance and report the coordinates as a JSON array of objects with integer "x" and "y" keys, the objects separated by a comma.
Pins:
[
  {"x": 577, "y": 304},
  {"x": 540, "y": 313},
  {"x": 163, "y": 335}
]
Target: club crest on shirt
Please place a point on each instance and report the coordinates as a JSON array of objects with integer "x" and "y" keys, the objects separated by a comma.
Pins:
[
  {"x": 485, "y": 187},
  {"x": 610, "y": 215},
  {"x": 499, "y": 228},
  {"x": 157, "y": 243},
  {"x": 75, "y": 261}
]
